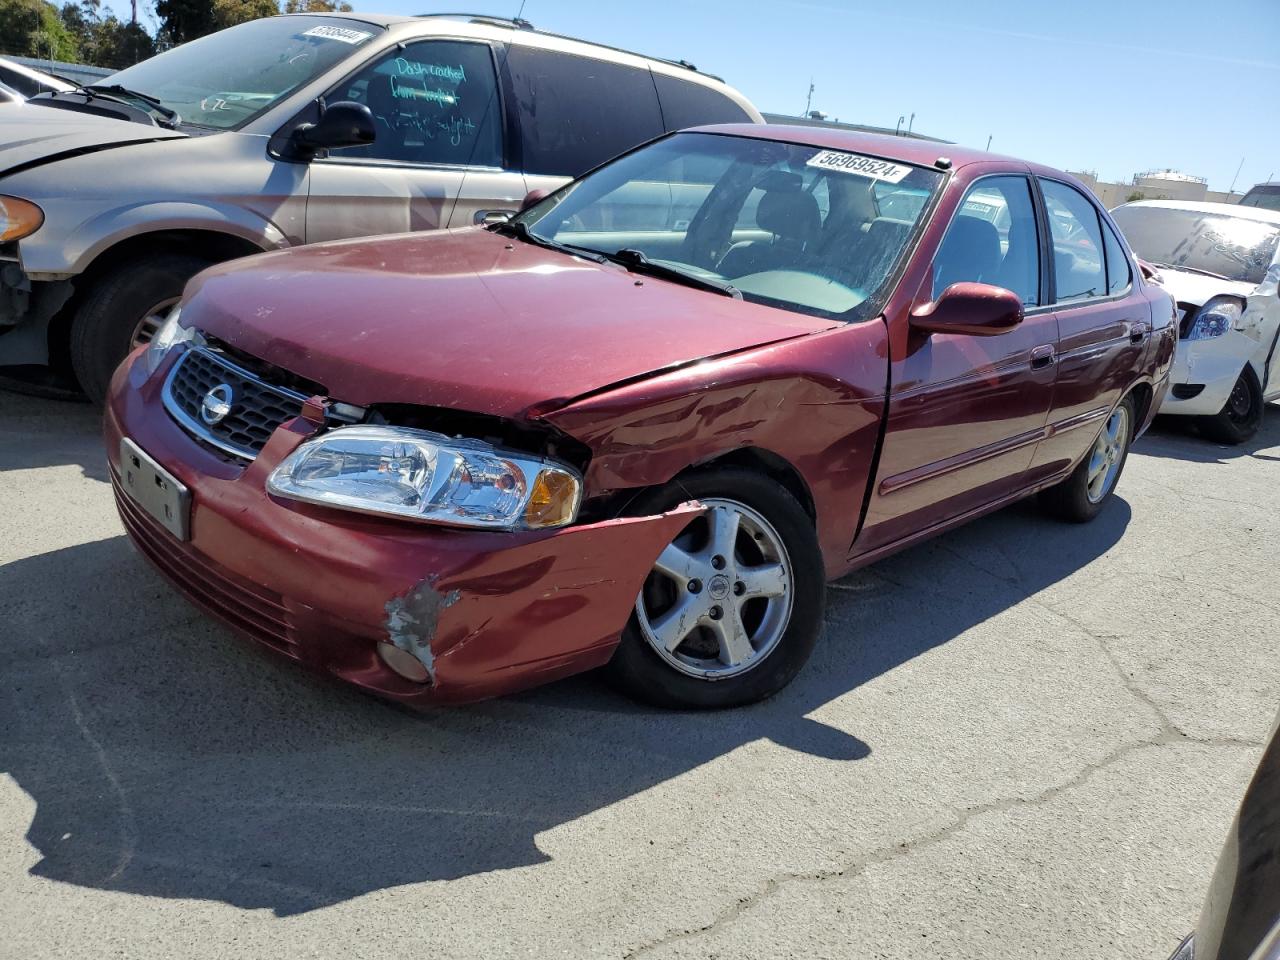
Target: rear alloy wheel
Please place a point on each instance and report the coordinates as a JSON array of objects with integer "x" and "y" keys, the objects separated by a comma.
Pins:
[
  {"x": 1241, "y": 416},
  {"x": 1082, "y": 495},
  {"x": 733, "y": 605}
]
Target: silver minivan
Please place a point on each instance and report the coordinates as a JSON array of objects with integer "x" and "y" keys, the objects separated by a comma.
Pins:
[{"x": 291, "y": 130}]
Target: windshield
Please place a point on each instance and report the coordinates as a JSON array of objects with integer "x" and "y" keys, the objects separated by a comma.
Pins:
[
  {"x": 229, "y": 77},
  {"x": 1226, "y": 246},
  {"x": 1266, "y": 196},
  {"x": 806, "y": 229}
]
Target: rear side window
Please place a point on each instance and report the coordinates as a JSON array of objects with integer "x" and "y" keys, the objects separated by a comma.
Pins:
[
  {"x": 1077, "y": 243},
  {"x": 433, "y": 102},
  {"x": 576, "y": 112},
  {"x": 686, "y": 104},
  {"x": 1118, "y": 274}
]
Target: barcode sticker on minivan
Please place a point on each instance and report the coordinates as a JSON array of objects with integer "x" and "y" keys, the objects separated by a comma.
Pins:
[
  {"x": 840, "y": 162},
  {"x": 338, "y": 33}
]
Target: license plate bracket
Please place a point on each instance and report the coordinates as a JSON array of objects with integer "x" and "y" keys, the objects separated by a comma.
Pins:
[{"x": 159, "y": 493}]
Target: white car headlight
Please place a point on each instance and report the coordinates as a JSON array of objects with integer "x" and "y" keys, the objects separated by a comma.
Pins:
[
  {"x": 1216, "y": 317},
  {"x": 425, "y": 476},
  {"x": 170, "y": 334}
]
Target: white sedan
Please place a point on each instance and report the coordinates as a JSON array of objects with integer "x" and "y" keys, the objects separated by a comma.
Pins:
[{"x": 1221, "y": 263}]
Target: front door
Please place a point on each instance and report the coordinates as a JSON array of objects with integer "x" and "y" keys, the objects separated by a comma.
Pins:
[
  {"x": 438, "y": 159},
  {"x": 966, "y": 412}
]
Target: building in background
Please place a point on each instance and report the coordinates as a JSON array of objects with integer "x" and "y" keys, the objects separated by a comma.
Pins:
[{"x": 1153, "y": 185}]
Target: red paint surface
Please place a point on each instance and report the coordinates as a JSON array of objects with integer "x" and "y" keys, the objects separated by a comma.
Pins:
[{"x": 654, "y": 379}]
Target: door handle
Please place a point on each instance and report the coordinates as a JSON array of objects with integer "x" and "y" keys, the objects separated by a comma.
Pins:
[
  {"x": 1138, "y": 331},
  {"x": 1042, "y": 356},
  {"x": 487, "y": 217}
]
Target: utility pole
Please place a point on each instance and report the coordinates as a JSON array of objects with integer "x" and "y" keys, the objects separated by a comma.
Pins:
[
  {"x": 989, "y": 141},
  {"x": 134, "y": 21},
  {"x": 1236, "y": 177},
  {"x": 911, "y": 123},
  {"x": 808, "y": 101}
]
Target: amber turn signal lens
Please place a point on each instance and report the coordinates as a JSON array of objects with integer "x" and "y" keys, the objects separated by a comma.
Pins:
[
  {"x": 553, "y": 501},
  {"x": 18, "y": 218}
]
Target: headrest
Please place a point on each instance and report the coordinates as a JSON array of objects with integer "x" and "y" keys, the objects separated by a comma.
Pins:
[{"x": 786, "y": 210}]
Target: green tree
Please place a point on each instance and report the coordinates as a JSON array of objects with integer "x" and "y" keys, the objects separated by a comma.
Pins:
[
  {"x": 32, "y": 28},
  {"x": 183, "y": 20},
  {"x": 227, "y": 13},
  {"x": 316, "y": 6},
  {"x": 1136, "y": 195}
]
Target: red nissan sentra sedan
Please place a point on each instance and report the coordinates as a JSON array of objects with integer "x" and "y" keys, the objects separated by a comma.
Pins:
[{"x": 641, "y": 424}]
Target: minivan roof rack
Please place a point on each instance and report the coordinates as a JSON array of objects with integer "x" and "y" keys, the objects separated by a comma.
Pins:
[{"x": 518, "y": 23}]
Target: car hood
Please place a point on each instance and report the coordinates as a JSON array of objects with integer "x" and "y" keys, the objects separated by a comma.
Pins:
[
  {"x": 1197, "y": 289},
  {"x": 469, "y": 320},
  {"x": 37, "y": 134}
]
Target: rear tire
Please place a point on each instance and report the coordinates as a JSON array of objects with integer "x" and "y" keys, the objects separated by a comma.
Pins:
[
  {"x": 1081, "y": 497},
  {"x": 113, "y": 317},
  {"x": 1241, "y": 416},
  {"x": 768, "y": 587}
]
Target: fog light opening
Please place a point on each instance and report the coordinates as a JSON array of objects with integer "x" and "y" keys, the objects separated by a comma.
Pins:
[{"x": 403, "y": 663}]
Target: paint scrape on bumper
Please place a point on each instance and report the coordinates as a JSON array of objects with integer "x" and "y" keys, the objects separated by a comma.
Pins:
[{"x": 508, "y": 619}]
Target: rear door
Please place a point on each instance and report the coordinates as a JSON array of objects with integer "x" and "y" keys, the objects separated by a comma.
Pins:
[
  {"x": 966, "y": 412},
  {"x": 440, "y": 154},
  {"x": 1103, "y": 323}
]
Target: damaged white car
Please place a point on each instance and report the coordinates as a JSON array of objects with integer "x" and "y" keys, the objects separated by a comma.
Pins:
[{"x": 1220, "y": 263}]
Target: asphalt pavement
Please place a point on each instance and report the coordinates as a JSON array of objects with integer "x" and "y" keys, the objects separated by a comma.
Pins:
[{"x": 1022, "y": 739}]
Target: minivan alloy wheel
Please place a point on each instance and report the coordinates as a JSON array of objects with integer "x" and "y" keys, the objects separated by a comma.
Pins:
[
  {"x": 720, "y": 595},
  {"x": 152, "y": 321},
  {"x": 1108, "y": 454}
]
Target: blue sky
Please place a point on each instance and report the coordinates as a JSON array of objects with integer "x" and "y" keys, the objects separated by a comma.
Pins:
[{"x": 1116, "y": 87}]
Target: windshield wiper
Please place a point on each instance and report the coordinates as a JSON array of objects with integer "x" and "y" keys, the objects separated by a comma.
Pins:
[
  {"x": 637, "y": 262},
  {"x": 520, "y": 230},
  {"x": 170, "y": 115},
  {"x": 1183, "y": 266}
]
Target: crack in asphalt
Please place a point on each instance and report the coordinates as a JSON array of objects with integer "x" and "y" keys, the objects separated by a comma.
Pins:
[
  {"x": 1164, "y": 738},
  {"x": 1169, "y": 734}
]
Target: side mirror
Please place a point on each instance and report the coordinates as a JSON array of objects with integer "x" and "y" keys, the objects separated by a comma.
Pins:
[
  {"x": 343, "y": 124},
  {"x": 977, "y": 309},
  {"x": 532, "y": 197}
]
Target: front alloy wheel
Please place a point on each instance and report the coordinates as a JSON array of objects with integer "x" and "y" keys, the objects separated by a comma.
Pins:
[
  {"x": 733, "y": 606},
  {"x": 719, "y": 598}
]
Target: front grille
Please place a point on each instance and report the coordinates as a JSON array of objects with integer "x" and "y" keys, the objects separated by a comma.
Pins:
[
  {"x": 256, "y": 407},
  {"x": 247, "y": 607}
]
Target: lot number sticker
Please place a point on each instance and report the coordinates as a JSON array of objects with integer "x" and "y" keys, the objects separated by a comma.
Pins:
[
  {"x": 839, "y": 162},
  {"x": 338, "y": 33}
]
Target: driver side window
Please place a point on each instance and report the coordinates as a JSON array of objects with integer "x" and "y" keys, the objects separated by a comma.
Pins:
[
  {"x": 434, "y": 102},
  {"x": 993, "y": 239}
]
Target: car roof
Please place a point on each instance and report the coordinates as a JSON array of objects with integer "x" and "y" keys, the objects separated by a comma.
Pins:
[
  {"x": 479, "y": 24},
  {"x": 907, "y": 149},
  {"x": 1203, "y": 206}
]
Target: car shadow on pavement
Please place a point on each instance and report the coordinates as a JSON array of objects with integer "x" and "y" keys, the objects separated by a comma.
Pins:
[
  {"x": 50, "y": 433},
  {"x": 167, "y": 759},
  {"x": 1178, "y": 438}
]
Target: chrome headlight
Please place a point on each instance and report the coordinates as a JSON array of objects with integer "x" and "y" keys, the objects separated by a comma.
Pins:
[
  {"x": 170, "y": 334},
  {"x": 425, "y": 476},
  {"x": 1216, "y": 317}
]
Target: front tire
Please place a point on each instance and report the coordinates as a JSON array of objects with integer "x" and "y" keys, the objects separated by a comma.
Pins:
[
  {"x": 1081, "y": 497},
  {"x": 1241, "y": 416},
  {"x": 121, "y": 311},
  {"x": 733, "y": 606}
]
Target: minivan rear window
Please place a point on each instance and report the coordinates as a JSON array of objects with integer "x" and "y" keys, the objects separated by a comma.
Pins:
[
  {"x": 687, "y": 104},
  {"x": 577, "y": 112}
]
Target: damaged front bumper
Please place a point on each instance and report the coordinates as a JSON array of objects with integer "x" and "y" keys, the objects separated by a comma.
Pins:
[
  {"x": 485, "y": 613},
  {"x": 26, "y": 307}
]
